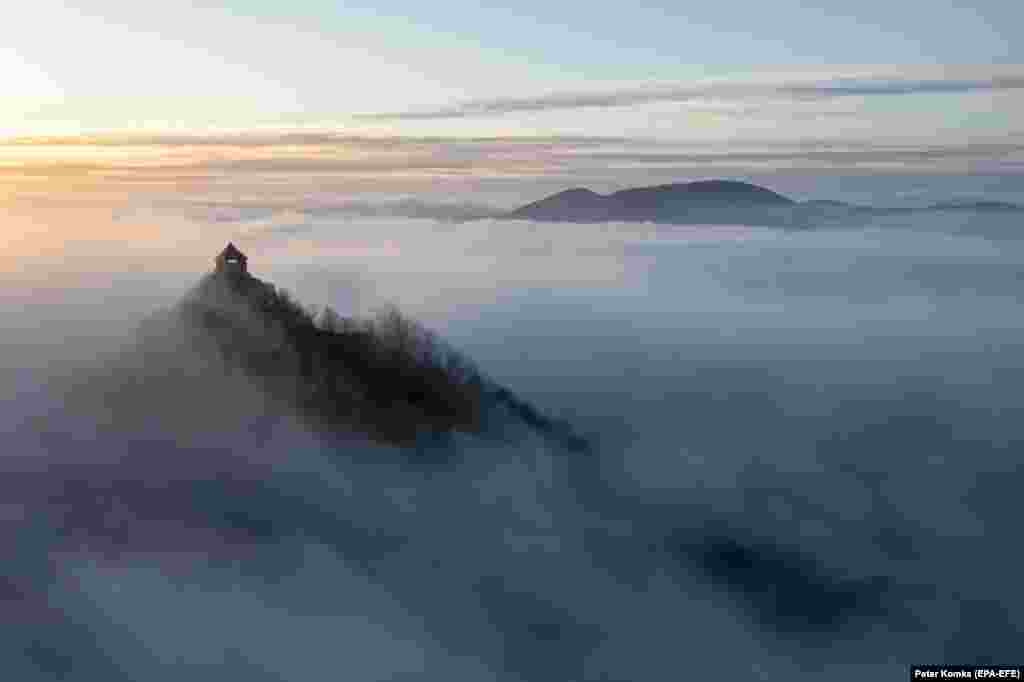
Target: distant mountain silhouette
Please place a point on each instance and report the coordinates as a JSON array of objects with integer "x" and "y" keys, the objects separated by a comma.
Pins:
[
  {"x": 236, "y": 344},
  {"x": 713, "y": 202},
  {"x": 690, "y": 202},
  {"x": 574, "y": 205}
]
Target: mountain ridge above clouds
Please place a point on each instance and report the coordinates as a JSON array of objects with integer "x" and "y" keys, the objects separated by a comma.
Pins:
[
  {"x": 714, "y": 202},
  {"x": 703, "y": 202},
  {"x": 655, "y": 203},
  {"x": 236, "y": 348}
]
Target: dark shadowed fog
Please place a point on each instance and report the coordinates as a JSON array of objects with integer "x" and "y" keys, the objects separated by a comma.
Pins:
[{"x": 806, "y": 461}]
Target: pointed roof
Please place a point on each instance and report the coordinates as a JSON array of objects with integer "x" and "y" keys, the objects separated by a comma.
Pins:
[{"x": 231, "y": 252}]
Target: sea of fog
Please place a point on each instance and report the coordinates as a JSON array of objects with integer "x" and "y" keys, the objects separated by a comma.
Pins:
[{"x": 806, "y": 458}]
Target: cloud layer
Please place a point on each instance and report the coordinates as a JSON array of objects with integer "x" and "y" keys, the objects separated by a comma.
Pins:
[
  {"x": 869, "y": 86},
  {"x": 766, "y": 405}
]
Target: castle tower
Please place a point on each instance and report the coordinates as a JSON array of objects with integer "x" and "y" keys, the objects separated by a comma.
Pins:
[{"x": 232, "y": 261}]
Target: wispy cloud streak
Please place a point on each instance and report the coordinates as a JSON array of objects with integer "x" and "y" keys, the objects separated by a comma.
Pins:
[
  {"x": 735, "y": 91},
  {"x": 279, "y": 138}
]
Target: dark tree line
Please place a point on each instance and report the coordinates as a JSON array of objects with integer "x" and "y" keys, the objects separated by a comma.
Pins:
[
  {"x": 386, "y": 375},
  {"x": 236, "y": 347}
]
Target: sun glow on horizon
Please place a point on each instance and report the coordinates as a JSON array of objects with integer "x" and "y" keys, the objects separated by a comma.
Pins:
[
  {"x": 25, "y": 79},
  {"x": 25, "y": 86}
]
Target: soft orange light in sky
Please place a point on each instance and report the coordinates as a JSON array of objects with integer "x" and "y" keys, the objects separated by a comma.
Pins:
[
  {"x": 30, "y": 152},
  {"x": 61, "y": 244}
]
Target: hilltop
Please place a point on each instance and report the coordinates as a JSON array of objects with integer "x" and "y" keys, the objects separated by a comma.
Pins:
[
  {"x": 691, "y": 201},
  {"x": 235, "y": 346},
  {"x": 717, "y": 202}
]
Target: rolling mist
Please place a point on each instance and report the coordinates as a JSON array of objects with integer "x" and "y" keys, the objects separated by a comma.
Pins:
[{"x": 803, "y": 455}]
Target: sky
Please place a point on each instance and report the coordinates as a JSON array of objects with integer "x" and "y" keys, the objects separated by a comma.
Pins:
[{"x": 453, "y": 67}]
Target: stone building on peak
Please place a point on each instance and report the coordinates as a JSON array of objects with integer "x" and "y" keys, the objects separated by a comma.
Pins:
[{"x": 232, "y": 261}]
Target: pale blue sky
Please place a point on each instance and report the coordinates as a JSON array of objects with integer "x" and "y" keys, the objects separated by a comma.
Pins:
[
  {"x": 108, "y": 65},
  {"x": 632, "y": 38}
]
